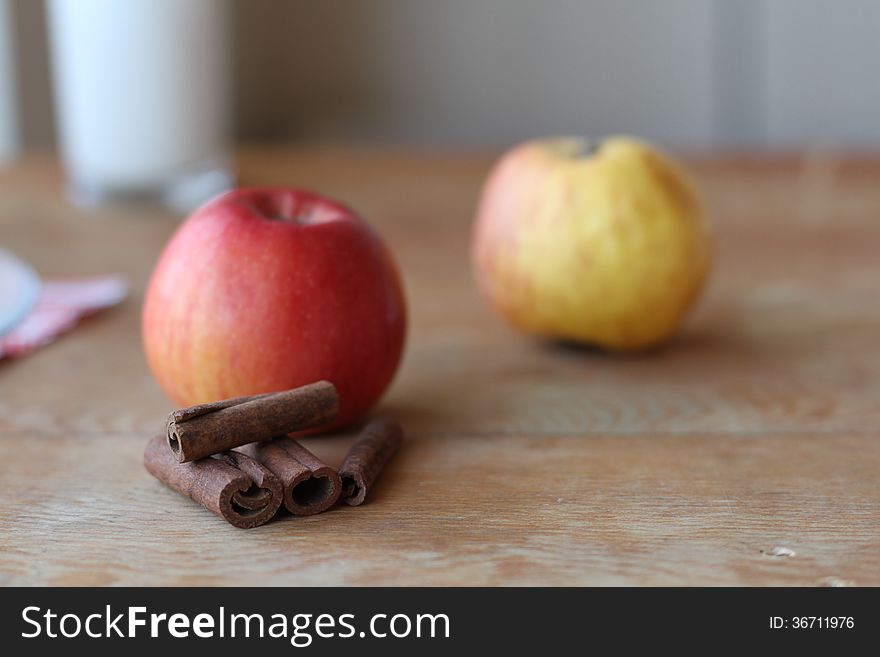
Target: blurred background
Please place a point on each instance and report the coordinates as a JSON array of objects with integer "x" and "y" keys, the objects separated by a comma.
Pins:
[{"x": 692, "y": 74}]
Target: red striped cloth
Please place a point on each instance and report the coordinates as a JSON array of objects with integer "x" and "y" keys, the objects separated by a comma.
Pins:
[{"x": 60, "y": 306}]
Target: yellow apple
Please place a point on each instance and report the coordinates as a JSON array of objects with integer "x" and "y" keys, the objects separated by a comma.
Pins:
[{"x": 604, "y": 243}]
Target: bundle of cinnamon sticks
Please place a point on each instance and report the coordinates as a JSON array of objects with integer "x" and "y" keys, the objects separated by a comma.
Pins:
[{"x": 236, "y": 459}]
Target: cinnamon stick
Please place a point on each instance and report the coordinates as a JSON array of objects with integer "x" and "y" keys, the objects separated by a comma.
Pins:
[
  {"x": 232, "y": 485},
  {"x": 374, "y": 447},
  {"x": 199, "y": 431},
  {"x": 310, "y": 486}
]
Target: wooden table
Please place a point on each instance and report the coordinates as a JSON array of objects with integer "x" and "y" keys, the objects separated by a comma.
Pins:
[{"x": 745, "y": 452}]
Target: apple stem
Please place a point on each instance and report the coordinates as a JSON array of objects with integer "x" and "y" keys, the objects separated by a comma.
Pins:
[{"x": 587, "y": 147}]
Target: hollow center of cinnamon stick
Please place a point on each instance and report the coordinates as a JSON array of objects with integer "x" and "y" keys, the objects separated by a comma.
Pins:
[
  {"x": 174, "y": 443},
  {"x": 312, "y": 491},
  {"x": 242, "y": 511},
  {"x": 251, "y": 501},
  {"x": 349, "y": 487}
]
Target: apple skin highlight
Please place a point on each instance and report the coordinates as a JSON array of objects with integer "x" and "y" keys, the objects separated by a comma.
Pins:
[{"x": 267, "y": 289}]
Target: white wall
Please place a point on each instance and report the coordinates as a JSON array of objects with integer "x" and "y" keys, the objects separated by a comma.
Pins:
[
  {"x": 495, "y": 70},
  {"x": 694, "y": 73},
  {"x": 823, "y": 72}
]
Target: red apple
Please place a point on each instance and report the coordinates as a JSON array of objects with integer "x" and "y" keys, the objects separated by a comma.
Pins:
[{"x": 267, "y": 289}]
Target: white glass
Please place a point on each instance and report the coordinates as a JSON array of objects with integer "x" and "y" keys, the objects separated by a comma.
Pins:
[{"x": 142, "y": 93}]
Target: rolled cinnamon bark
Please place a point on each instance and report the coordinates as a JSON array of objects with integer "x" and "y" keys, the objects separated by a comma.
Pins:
[
  {"x": 232, "y": 485},
  {"x": 206, "y": 429},
  {"x": 373, "y": 448},
  {"x": 310, "y": 486}
]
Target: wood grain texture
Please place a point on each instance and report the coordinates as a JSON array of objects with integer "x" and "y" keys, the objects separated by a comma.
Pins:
[{"x": 756, "y": 428}]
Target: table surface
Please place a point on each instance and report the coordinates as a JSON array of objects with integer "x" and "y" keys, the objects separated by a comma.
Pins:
[{"x": 747, "y": 451}]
